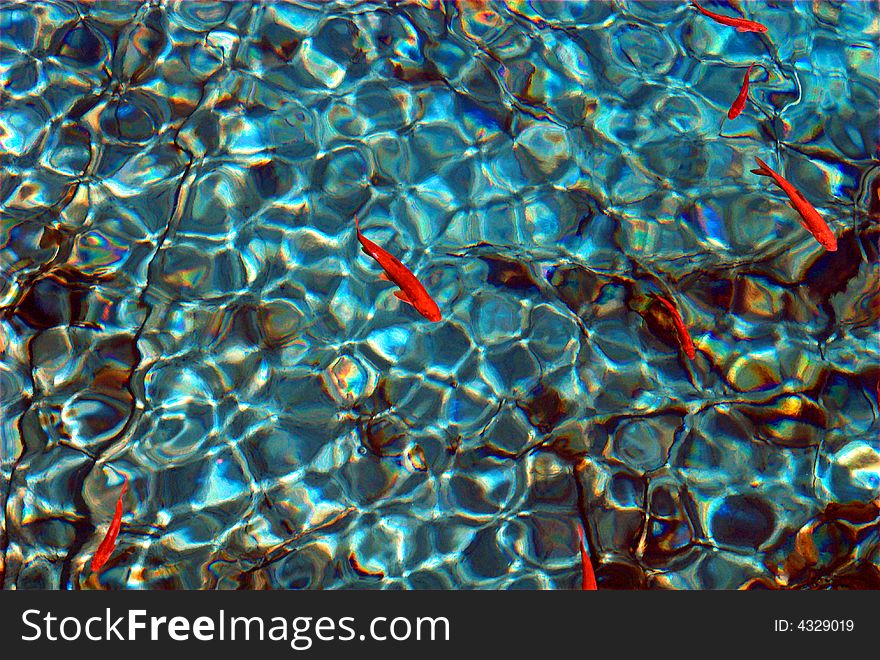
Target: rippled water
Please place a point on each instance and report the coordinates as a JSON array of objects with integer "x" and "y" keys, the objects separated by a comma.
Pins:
[{"x": 184, "y": 300}]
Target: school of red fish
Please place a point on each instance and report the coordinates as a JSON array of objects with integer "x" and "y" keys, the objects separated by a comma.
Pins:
[{"x": 412, "y": 292}]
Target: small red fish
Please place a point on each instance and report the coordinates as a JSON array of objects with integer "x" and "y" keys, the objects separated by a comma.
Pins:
[
  {"x": 684, "y": 337},
  {"x": 411, "y": 290},
  {"x": 812, "y": 221},
  {"x": 740, "y": 101},
  {"x": 109, "y": 543},
  {"x": 588, "y": 581},
  {"x": 363, "y": 571},
  {"x": 741, "y": 24}
]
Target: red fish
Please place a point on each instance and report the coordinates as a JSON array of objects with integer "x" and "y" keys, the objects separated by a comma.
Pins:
[
  {"x": 411, "y": 290},
  {"x": 812, "y": 221},
  {"x": 363, "y": 571},
  {"x": 740, "y": 102},
  {"x": 741, "y": 24},
  {"x": 684, "y": 337},
  {"x": 588, "y": 581},
  {"x": 109, "y": 543}
]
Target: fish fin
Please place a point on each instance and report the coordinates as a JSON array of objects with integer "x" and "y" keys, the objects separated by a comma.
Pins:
[
  {"x": 366, "y": 252},
  {"x": 383, "y": 276},
  {"x": 806, "y": 228},
  {"x": 400, "y": 295},
  {"x": 800, "y": 196},
  {"x": 763, "y": 168}
]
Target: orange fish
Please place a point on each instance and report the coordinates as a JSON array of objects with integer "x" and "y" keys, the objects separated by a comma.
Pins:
[
  {"x": 411, "y": 290},
  {"x": 741, "y": 24},
  {"x": 740, "y": 101},
  {"x": 812, "y": 221},
  {"x": 684, "y": 337},
  {"x": 588, "y": 581},
  {"x": 109, "y": 543}
]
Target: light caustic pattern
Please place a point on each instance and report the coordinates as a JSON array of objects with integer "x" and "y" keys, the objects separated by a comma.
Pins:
[{"x": 184, "y": 300}]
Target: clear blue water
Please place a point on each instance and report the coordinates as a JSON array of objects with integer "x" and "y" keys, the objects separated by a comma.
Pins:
[{"x": 184, "y": 301}]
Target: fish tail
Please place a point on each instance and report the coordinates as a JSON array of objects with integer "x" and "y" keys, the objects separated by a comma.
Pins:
[
  {"x": 360, "y": 236},
  {"x": 588, "y": 577},
  {"x": 764, "y": 170}
]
